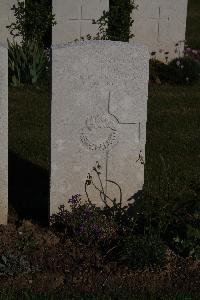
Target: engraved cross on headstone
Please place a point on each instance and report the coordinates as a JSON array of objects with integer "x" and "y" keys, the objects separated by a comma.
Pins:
[
  {"x": 122, "y": 126},
  {"x": 108, "y": 121},
  {"x": 159, "y": 19},
  {"x": 80, "y": 19}
]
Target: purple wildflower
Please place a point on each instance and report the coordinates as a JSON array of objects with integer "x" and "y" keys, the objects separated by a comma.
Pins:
[
  {"x": 75, "y": 199},
  {"x": 96, "y": 230},
  {"x": 81, "y": 228},
  {"x": 87, "y": 212}
]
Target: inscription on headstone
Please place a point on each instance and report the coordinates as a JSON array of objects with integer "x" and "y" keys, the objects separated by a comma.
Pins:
[
  {"x": 99, "y": 113},
  {"x": 3, "y": 134}
]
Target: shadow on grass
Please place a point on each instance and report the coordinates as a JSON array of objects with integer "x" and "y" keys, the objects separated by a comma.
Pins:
[{"x": 28, "y": 190}]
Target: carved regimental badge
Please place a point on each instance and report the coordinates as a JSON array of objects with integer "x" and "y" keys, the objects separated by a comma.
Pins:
[{"x": 100, "y": 132}]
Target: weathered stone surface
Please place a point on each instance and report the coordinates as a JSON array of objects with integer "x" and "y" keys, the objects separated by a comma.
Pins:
[
  {"x": 160, "y": 25},
  {"x": 6, "y": 18},
  {"x": 3, "y": 134},
  {"x": 74, "y": 18},
  {"x": 99, "y": 113}
]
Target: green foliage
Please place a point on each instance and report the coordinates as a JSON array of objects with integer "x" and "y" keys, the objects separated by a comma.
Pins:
[
  {"x": 184, "y": 70},
  {"x": 190, "y": 245},
  {"x": 193, "y": 24},
  {"x": 183, "y": 233},
  {"x": 120, "y": 21},
  {"x": 12, "y": 265},
  {"x": 28, "y": 64},
  {"x": 174, "y": 219},
  {"x": 180, "y": 71},
  {"x": 142, "y": 251},
  {"x": 84, "y": 222},
  {"x": 158, "y": 71},
  {"x": 115, "y": 24},
  {"x": 140, "y": 232},
  {"x": 33, "y": 21},
  {"x": 26, "y": 242}
]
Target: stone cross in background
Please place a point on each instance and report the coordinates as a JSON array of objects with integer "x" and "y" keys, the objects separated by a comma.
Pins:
[
  {"x": 74, "y": 18},
  {"x": 3, "y": 134},
  {"x": 160, "y": 25},
  {"x": 81, "y": 19},
  {"x": 99, "y": 114},
  {"x": 158, "y": 20}
]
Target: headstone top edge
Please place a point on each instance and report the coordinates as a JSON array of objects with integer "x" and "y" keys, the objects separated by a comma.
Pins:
[{"x": 98, "y": 43}]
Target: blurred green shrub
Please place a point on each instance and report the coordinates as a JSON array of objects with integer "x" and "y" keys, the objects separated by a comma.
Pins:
[
  {"x": 141, "y": 251},
  {"x": 181, "y": 71},
  {"x": 137, "y": 234},
  {"x": 33, "y": 21},
  {"x": 183, "y": 232},
  {"x": 158, "y": 71},
  {"x": 185, "y": 70},
  {"x": 13, "y": 265},
  {"x": 28, "y": 64},
  {"x": 84, "y": 222}
]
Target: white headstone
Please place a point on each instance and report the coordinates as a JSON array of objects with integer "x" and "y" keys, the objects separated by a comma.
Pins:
[
  {"x": 99, "y": 113},
  {"x": 160, "y": 25},
  {"x": 74, "y": 18},
  {"x": 6, "y": 18},
  {"x": 3, "y": 134}
]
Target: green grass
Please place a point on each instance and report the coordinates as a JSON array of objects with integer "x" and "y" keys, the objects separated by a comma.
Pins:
[
  {"x": 173, "y": 132},
  {"x": 29, "y": 125},
  {"x": 173, "y": 135},
  {"x": 193, "y": 24}
]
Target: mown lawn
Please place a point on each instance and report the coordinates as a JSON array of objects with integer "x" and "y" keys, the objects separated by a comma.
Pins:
[
  {"x": 173, "y": 137},
  {"x": 29, "y": 125},
  {"x": 173, "y": 132}
]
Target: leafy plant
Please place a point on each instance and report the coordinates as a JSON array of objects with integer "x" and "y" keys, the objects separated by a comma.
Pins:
[
  {"x": 158, "y": 71},
  {"x": 34, "y": 21},
  {"x": 190, "y": 245},
  {"x": 185, "y": 70},
  {"x": 193, "y": 53},
  {"x": 26, "y": 242},
  {"x": 12, "y": 265},
  {"x": 85, "y": 222},
  {"x": 115, "y": 24},
  {"x": 120, "y": 21},
  {"x": 183, "y": 234},
  {"x": 89, "y": 223},
  {"x": 27, "y": 63},
  {"x": 182, "y": 70},
  {"x": 142, "y": 251}
]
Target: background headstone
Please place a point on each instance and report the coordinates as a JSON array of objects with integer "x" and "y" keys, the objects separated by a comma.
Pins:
[
  {"x": 3, "y": 134},
  {"x": 6, "y": 18},
  {"x": 160, "y": 24},
  {"x": 99, "y": 113},
  {"x": 74, "y": 18}
]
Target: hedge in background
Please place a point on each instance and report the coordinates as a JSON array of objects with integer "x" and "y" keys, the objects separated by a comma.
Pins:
[
  {"x": 33, "y": 21},
  {"x": 115, "y": 24}
]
